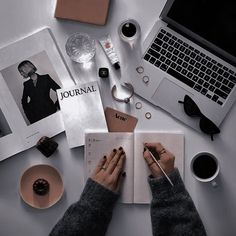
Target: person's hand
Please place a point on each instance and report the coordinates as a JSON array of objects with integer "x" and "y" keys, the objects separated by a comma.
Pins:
[
  {"x": 166, "y": 161},
  {"x": 109, "y": 171}
]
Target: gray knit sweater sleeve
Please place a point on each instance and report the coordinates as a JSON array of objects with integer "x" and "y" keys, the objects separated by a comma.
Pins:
[
  {"x": 90, "y": 215},
  {"x": 172, "y": 209}
]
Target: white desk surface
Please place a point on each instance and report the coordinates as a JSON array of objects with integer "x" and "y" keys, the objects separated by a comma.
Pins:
[{"x": 217, "y": 207}]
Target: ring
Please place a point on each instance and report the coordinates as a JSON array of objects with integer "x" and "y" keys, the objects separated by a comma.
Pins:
[
  {"x": 145, "y": 79},
  {"x": 140, "y": 69},
  {"x": 127, "y": 99},
  {"x": 138, "y": 105},
  {"x": 103, "y": 168},
  {"x": 151, "y": 163},
  {"x": 148, "y": 115},
  {"x": 163, "y": 150}
]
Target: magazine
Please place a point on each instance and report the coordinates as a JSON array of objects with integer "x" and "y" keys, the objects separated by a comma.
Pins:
[
  {"x": 31, "y": 71},
  {"x": 82, "y": 109},
  {"x": 135, "y": 187}
]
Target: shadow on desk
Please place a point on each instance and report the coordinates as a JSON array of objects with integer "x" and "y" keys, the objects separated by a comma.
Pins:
[
  {"x": 47, "y": 218},
  {"x": 217, "y": 208}
]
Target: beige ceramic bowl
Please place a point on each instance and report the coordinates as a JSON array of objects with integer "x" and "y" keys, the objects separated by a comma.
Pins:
[{"x": 56, "y": 187}]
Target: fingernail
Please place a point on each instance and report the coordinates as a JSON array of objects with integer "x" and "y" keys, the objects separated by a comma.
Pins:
[
  {"x": 123, "y": 174},
  {"x": 114, "y": 150},
  {"x": 104, "y": 157},
  {"x": 120, "y": 148}
]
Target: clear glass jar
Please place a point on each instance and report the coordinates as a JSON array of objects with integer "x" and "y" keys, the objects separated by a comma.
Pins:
[{"x": 80, "y": 47}]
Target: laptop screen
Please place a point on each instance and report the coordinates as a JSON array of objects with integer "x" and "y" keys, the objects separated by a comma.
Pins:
[{"x": 210, "y": 22}]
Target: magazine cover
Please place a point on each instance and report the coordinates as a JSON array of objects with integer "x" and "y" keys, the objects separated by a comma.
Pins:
[
  {"x": 82, "y": 110},
  {"x": 31, "y": 71}
]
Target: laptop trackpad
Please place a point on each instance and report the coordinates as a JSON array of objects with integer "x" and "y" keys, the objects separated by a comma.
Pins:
[{"x": 167, "y": 96}]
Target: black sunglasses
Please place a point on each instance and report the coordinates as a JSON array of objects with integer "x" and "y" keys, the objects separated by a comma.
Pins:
[{"x": 206, "y": 125}]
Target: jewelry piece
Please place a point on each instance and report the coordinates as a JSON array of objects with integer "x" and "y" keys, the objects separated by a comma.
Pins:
[
  {"x": 140, "y": 69},
  {"x": 148, "y": 115},
  {"x": 138, "y": 105},
  {"x": 151, "y": 163},
  {"x": 163, "y": 150},
  {"x": 145, "y": 79},
  {"x": 127, "y": 99},
  {"x": 103, "y": 167}
]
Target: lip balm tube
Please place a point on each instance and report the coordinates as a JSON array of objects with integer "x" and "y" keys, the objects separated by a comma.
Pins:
[{"x": 110, "y": 51}]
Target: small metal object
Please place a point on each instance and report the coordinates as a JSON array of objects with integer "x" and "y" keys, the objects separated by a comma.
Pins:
[
  {"x": 127, "y": 99},
  {"x": 103, "y": 72},
  {"x": 140, "y": 69},
  {"x": 145, "y": 79},
  {"x": 103, "y": 167},
  {"x": 148, "y": 115},
  {"x": 163, "y": 150},
  {"x": 138, "y": 105}
]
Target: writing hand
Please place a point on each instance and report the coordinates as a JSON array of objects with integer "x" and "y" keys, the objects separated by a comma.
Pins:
[{"x": 166, "y": 161}]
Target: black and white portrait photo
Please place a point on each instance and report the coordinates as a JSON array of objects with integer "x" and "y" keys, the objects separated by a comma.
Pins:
[
  {"x": 4, "y": 126},
  {"x": 33, "y": 83},
  {"x": 31, "y": 73}
]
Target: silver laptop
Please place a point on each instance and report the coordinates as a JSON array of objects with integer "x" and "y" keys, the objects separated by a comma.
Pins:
[{"x": 191, "y": 50}]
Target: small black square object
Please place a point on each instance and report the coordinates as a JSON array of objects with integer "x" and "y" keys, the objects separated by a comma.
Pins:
[
  {"x": 46, "y": 146},
  {"x": 103, "y": 72}
]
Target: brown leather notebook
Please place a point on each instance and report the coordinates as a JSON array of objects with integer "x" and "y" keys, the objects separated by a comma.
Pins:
[{"x": 88, "y": 11}]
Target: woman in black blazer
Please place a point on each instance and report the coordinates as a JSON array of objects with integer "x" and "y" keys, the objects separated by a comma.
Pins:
[{"x": 36, "y": 100}]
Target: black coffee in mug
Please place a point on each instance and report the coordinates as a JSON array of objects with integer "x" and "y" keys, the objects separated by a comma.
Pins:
[
  {"x": 204, "y": 166},
  {"x": 128, "y": 30}
]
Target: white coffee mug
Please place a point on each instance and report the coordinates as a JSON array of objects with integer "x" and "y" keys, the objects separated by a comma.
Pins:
[
  {"x": 205, "y": 168},
  {"x": 129, "y": 31}
]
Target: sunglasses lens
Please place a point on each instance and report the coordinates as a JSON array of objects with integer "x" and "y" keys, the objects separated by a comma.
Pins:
[
  {"x": 208, "y": 127},
  {"x": 190, "y": 107}
]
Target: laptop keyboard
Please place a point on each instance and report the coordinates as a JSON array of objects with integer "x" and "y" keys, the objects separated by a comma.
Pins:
[{"x": 190, "y": 66}]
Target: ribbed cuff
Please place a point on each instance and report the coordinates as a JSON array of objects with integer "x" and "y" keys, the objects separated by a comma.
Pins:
[
  {"x": 98, "y": 196},
  {"x": 161, "y": 188}
]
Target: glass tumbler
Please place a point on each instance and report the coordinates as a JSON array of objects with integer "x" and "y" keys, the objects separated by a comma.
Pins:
[{"x": 80, "y": 47}]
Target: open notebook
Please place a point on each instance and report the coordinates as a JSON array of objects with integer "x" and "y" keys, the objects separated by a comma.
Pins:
[{"x": 135, "y": 186}]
